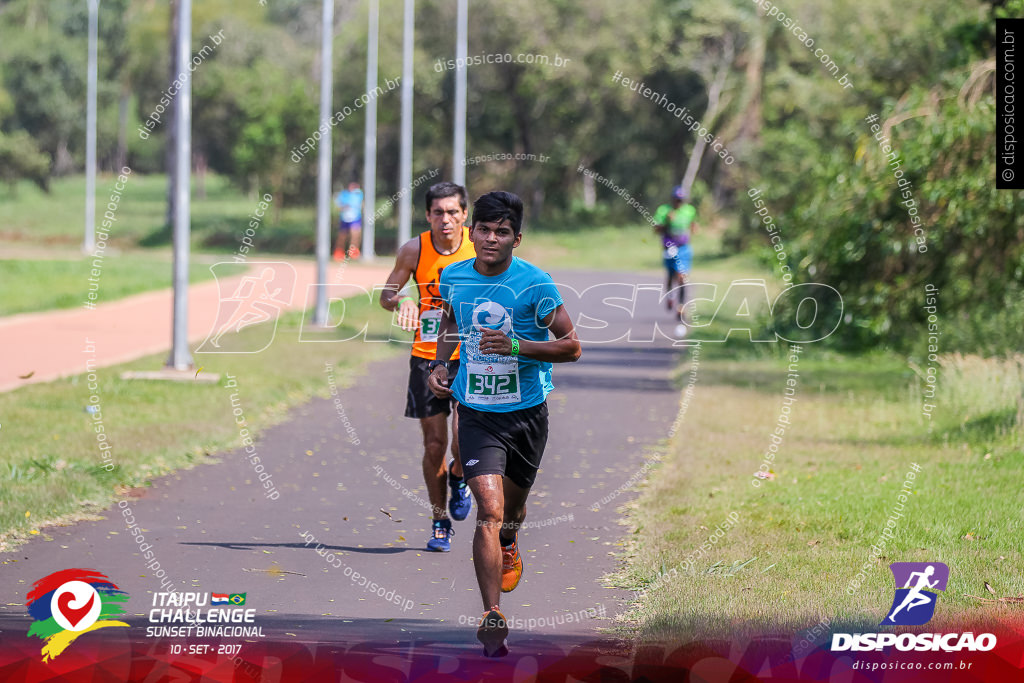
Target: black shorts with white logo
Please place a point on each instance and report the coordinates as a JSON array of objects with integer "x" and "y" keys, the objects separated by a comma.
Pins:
[
  {"x": 420, "y": 401},
  {"x": 510, "y": 444}
]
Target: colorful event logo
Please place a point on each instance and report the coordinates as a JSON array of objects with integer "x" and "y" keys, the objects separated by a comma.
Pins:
[
  {"x": 68, "y": 603},
  {"x": 916, "y": 586}
]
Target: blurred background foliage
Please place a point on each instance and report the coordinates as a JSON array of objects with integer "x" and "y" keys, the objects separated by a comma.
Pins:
[{"x": 924, "y": 67}]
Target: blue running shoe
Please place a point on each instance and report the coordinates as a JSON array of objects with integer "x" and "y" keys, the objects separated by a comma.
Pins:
[
  {"x": 460, "y": 502},
  {"x": 441, "y": 536}
]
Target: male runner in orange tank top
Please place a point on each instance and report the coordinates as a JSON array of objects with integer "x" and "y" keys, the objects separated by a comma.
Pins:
[{"x": 422, "y": 258}]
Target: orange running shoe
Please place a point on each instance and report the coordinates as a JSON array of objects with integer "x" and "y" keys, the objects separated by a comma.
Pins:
[
  {"x": 353, "y": 252},
  {"x": 511, "y": 567},
  {"x": 492, "y": 633}
]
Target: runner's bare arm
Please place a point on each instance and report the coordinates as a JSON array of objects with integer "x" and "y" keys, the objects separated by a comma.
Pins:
[
  {"x": 564, "y": 348},
  {"x": 447, "y": 333},
  {"x": 405, "y": 265},
  {"x": 447, "y": 342},
  {"x": 391, "y": 297}
]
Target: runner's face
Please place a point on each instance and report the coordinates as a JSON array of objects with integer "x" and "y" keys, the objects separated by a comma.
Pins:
[
  {"x": 446, "y": 216},
  {"x": 494, "y": 242}
]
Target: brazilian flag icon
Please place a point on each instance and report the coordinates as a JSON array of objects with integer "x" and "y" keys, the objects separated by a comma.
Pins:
[{"x": 237, "y": 598}]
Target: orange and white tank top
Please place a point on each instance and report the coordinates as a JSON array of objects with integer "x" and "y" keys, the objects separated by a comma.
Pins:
[{"x": 427, "y": 275}]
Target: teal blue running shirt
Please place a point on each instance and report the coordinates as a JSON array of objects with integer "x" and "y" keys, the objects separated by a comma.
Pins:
[{"x": 515, "y": 302}]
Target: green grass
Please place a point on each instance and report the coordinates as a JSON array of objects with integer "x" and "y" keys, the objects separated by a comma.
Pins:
[
  {"x": 30, "y": 285},
  {"x": 50, "y": 463},
  {"x": 855, "y": 429},
  {"x": 631, "y": 248},
  {"x": 31, "y": 217}
]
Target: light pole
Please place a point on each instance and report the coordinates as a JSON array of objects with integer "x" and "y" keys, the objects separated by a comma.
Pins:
[
  {"x": 370, "y": 136},
  {"x": 89, "y": 244},
  {"x": 459, "y": 146},
  {"x": 181, "y": 358},
  {"x": 323, "y": 186},
  {"x": 405, "y": 160}
]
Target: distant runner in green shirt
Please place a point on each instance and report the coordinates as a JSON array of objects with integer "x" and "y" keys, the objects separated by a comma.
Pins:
[{"x": 676, "y": 224}]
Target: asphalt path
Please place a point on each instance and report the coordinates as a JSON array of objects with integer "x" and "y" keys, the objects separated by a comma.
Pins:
[{"x": 213, "y": 529}]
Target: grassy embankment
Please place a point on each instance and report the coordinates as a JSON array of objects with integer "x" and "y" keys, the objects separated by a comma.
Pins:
[{"x": 800, "y": 539}]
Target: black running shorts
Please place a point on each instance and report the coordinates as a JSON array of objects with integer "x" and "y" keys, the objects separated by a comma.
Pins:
[
  {"x": 510, "y": 444},
  {"x": 420, "y": 401}
]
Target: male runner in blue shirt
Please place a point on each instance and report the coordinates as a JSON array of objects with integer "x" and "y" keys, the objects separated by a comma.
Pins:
[{"x": 504, "y": 310}]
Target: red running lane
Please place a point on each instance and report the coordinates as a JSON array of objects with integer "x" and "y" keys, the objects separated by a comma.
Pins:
[{"x": 49, "y": 345}]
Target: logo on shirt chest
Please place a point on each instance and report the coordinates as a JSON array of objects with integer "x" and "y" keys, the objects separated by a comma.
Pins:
[{"x": 489, "y": 315}]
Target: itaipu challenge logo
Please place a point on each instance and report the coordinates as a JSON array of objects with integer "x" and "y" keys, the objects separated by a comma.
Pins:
[
  {"x": 917, "y": 590},
  {"x": 69, "y": 603}
]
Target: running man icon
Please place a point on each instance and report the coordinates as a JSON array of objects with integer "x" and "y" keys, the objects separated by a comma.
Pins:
[
  {"x": 915, "y": 598},
  {"x": 917, "y": 585},
  {"x": 255, "y": 299}
]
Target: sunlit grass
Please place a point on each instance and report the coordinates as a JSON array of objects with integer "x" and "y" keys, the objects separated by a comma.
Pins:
[
  {"x": 51, "y": 464},
  {"x": 854, "y": 432},
  {"x": 31, "y": 285}
]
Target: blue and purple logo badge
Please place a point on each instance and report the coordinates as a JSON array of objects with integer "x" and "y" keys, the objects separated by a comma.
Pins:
[{"x": 917, "y": 586}]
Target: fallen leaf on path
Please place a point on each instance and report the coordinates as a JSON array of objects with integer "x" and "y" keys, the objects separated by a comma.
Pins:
[
  {"x": 389, "y": 516},
  {"x": 198, "y": 371},
  {"x": 27, "y": 376},
  {"x": 273, "y": 571}
]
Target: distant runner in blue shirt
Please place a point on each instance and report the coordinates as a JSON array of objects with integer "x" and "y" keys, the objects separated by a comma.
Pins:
[
  {"x": 504, "y": 311},
  {"x": 350, "y": 222}
]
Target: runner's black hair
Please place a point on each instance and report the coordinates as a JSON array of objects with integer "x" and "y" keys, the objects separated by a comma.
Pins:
[
  {"x": 447, "y": 189},
  {"x": 495, "y": 207}
]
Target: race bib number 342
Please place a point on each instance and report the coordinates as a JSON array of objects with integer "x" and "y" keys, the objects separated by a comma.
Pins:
[{"x": 493, "y": 383}]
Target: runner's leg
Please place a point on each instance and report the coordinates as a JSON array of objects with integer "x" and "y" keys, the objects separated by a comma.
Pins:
[
  {"x": 355, "y": 241},
  {"x": 489, "y": 493},
  {"x": 457, "y": 465},
  {"x": 514, "y": 509},
  {"x": 435, "y": 472},
  {"x": 669, "y": 283},
  {"x": 683, "y": 280}
]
